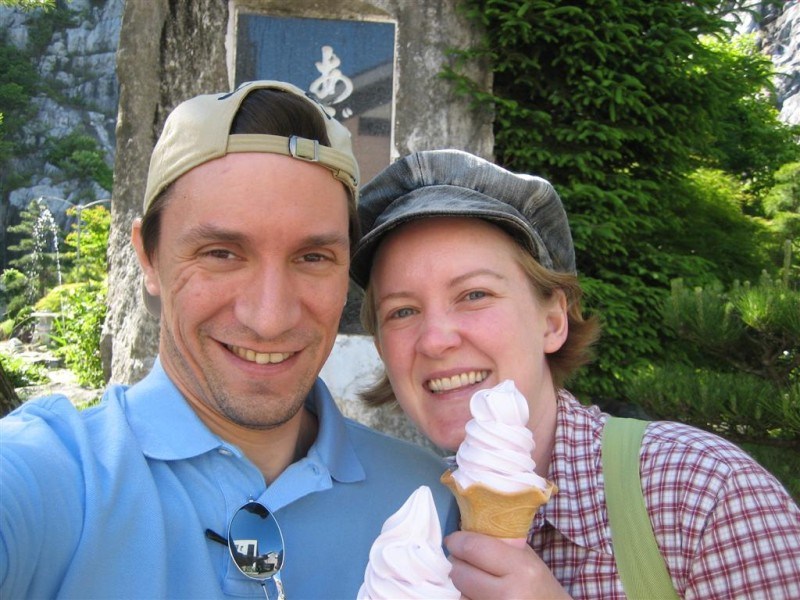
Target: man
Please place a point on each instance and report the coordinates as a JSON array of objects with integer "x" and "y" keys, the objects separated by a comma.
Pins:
[{"x": 249, "y": 218}]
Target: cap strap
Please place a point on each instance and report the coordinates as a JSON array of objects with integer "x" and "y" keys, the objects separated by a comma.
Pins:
[{"x": 341, "y": 165}]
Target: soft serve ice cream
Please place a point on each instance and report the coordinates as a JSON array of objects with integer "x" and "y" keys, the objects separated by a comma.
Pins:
[
  {"x": 494, "y": 481},
  {"x": 406, "y": 560}
]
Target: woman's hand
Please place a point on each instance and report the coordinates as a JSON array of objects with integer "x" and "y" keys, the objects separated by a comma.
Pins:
[{"x": 488, "y": 567}]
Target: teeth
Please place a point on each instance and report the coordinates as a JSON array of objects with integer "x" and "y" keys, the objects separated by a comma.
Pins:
[
  {"x": 261, "y": 358},
  {"x": 445, "y": 384}
]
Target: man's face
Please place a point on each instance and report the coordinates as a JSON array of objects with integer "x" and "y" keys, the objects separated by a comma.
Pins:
[{"x": 252, "y": 271}]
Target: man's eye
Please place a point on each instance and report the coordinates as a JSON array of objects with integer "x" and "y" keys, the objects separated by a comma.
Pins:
[
  {"x": 314, "y": 257},
  {"x": 220, "y": 253}
]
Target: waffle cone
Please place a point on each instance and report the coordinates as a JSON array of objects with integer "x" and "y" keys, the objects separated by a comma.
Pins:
[{"x": 499, "y": 514}]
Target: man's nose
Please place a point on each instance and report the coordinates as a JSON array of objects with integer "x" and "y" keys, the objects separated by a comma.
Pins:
[{"x": 269, "y": 304}]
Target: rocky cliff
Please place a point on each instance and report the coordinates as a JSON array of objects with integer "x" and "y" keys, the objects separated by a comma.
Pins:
[{"x": 78, "y": 95}]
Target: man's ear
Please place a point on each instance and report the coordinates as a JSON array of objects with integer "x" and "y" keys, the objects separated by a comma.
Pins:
[
  {"x": 148, "y": 268},
  {"x": 557, "y": 322}
]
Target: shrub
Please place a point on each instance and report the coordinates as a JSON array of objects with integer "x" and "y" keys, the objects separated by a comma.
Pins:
[
  {"x": 22, "y": 373},
  {"x": 80, "y": 157},
  {"x": 77, "y": 332}
]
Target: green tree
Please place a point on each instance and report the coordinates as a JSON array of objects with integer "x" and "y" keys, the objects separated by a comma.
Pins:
[
  {"x": 740, "y": 370},
  {"x": 81, "y": 303},
  {"x": 87, "y": 244},
  {"x": 13, "y": 299},
  {"x": 38, "y": 250},
  {"x": 28, "y": 4},
  {"x": 748, "y": 139},
  {"x": 77, "y": 332},
  {"x": 620, "y": 104},
  {"x": 80, "y": 157},
  {"x": 18, "y": 80},
  {"x": 782, "y": 207}
]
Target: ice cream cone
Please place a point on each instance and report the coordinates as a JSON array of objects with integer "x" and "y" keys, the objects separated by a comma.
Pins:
[{"x": 499, "y": 514}]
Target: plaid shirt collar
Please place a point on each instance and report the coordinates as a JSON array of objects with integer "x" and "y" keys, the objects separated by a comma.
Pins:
[{"x": 575, "y": 511}]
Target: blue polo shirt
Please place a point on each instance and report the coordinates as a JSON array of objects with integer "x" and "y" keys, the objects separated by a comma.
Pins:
[{"x": 114, "y": 501}]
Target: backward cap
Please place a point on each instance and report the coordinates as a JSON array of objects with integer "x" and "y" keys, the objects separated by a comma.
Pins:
[
  {"x": 198, "y": 131},
  {"x": 452, "y": 183}
]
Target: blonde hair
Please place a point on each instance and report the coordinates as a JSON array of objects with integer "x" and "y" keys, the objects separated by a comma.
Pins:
[{"x": 575, "y": 352}]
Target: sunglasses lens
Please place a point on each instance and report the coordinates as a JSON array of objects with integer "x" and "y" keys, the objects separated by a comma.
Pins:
[{"x": 256, "y": 542}]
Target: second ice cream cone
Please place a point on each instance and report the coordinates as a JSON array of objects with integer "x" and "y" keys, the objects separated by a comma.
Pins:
[{"x": 500, "y": 514}]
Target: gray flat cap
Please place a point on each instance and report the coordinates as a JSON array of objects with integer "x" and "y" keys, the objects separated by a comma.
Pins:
[{"x": 452, "y": 183}]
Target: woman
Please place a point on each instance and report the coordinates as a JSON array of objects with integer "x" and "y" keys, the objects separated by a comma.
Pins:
[{"x": 470, "y": 279}]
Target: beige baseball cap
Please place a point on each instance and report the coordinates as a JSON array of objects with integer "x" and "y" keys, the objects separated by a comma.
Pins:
[{"x": 198, "y": 131}]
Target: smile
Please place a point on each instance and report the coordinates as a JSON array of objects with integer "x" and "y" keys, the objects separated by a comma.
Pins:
[
  {"x": 261, "y": 358},
  {"x": 445, "y": 384}
]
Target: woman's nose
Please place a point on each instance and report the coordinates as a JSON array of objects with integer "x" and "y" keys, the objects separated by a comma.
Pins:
[{"x": 438, "y": 334}]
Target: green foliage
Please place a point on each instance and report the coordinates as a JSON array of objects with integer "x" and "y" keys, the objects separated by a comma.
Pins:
[
  {"x": 87, "y": 244},
  {"x": 81, "y": 304},
  {"x": 37, "y": 251},
  {"x": 77, "y": 332},
  {"x": 707, "y": 220},
  {"x": 28, "y": 4},
  {"x": 738, "y": 406},
  {"x": 782, "y": 207},
  {"x": 13, "y": 287},
  {"x": 784, "y": 463},
  {"x": 751, "y": 329},
  {"x": 80, "y": 157},
  {"x": 45, "y": 24},
  {"x": 659, "y": 137},
  {"x": 18, "y": 81},
  {"x": 21, "y": 372},
  {"x": 749, "y": 140},
  {"x": 744, "y": 379}
]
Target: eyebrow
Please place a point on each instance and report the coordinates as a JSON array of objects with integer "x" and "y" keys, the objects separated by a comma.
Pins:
[
  {"x": 210, "y": 232},
  {"x": 454, "y": 281},
  {"x": 475, "y": 273},
  {"x": 206, "y": 232}
]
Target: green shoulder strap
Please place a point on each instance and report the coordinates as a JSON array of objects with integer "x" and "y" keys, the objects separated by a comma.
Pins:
[{"x": 641, "y": 567}]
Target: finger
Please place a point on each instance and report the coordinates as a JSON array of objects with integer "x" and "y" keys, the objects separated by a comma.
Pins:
[
  {"x": 474, "y": 583},
  {"x": 492, "y": 555}
]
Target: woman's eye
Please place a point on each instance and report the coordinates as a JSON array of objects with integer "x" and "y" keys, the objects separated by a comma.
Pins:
[
  {"x": 401, "y": 313},
  {"x": 476, "y": 295}
]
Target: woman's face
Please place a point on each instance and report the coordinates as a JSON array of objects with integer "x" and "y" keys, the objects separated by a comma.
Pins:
[{"x": 456, "y": 313}]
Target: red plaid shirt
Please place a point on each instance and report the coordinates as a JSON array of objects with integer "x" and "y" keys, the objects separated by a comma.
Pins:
[{"x": 725, "y": 526}]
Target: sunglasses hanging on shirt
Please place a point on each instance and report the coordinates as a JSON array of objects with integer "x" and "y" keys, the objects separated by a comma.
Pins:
[{"x": 255, "y": 543}]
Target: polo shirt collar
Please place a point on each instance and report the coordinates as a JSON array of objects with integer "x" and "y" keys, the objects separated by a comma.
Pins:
[
  {"x": 165, "y": 425},
  {"x": 168, "y": 429},
  {"x": 333, "y": 446}
]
